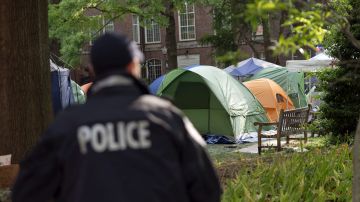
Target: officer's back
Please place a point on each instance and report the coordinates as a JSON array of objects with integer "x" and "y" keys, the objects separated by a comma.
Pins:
[{"x": 122, "y": 145}]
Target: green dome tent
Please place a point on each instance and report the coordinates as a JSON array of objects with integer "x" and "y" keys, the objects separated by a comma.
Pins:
[
  {"x": 214, "y": 101},
  {"x": 291, "y": 82}
]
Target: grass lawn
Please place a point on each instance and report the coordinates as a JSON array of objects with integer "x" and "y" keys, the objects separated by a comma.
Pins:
[{"x": 323, "y": 173}]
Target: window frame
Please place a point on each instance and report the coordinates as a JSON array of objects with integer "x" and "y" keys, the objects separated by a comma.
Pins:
[
  {"x": 146, "y": 34},
  {"x": 187, "y": 23},
  {"x": 111, "y": 22},
  {"x": 137, "y": 25},
  {"x": 152, "y": 75}
]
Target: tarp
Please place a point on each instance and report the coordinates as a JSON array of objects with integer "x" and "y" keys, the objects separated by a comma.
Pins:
[
  {"x": 214, "y": 101},
  {"x": 61, "y": 91},
  {"x": 79, "y": 95},
  {"x": 322, "y": 56},
  {"x": 291, "y": 82},
  {"x": 271, "y": 96},
  {"x": 248, "y": 67}
]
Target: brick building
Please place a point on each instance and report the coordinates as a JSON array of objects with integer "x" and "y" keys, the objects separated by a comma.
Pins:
[{"x": 191, "y": 25}]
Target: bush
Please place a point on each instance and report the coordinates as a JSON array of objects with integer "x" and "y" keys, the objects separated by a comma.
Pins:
[
  {"x": 341, "y": 86},
  {"x": 320, "y": 175},
  {"x": 340, "y": 109}
]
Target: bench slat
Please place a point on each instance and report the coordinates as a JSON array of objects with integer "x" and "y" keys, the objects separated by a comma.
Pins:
[{"x": 290, "y": 122}]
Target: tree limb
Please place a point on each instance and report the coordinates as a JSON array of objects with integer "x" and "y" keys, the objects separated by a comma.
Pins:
[{"x": 350, "y": 36}]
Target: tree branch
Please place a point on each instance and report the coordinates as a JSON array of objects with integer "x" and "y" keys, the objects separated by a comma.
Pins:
[{"x": 346, "y": 30}]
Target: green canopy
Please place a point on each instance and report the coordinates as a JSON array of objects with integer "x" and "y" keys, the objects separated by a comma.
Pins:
[
  {"x": 291, "y": 82},
  {"x": 214, "y": 101}
]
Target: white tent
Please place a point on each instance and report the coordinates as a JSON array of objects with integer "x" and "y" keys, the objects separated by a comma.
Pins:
[{"x": 315, "y": 63}]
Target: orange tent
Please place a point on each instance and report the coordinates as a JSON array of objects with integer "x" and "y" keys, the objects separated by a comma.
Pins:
[
  {"x": 271, "y": 96},
  {"x": 86, "y": 87}
]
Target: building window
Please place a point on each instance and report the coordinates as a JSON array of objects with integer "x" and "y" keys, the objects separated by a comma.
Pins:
[
  {"x": 152, "y": 32},
  {"x": 154, "y": 69},
  {"x": 136, "y": 28},
  {"x": 258, "y": 35},
  {"x": 187, "y": 23},
  {"x": 108, "y": 26},
  {"x": 144, "y": 72},
  {"x": 105, "y": 26},
  {"x": 262, "y": 55}
]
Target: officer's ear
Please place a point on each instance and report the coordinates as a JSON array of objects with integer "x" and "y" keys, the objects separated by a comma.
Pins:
[
  {"x": 91, "y": 70},
  {"x": 133, "y": 68}
]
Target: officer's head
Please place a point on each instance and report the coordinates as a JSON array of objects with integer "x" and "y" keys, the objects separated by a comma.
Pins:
[{"x": 113, "y": 52}]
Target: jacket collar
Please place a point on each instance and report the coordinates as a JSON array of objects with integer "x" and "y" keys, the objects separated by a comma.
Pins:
[{"x": 119, "y": 82}]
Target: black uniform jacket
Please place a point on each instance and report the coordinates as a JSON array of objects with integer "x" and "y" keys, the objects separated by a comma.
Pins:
[{"x": 122, "y": 145}]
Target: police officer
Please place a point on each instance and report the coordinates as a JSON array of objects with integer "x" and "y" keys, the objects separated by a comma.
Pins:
[{"x": 122, "y": 145}]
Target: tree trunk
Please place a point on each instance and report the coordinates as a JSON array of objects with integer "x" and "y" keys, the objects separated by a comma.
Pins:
[
  {"x": 55, "y": 43},
  {"x": 24, "y": 75},
  {"x": 356, "y": 166},
  {"x": 170, "y": 40},
  {"x": 267, "y": 41}
]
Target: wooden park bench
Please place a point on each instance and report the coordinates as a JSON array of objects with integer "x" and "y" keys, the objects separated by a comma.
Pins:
[{"x": 291, "y": 122}]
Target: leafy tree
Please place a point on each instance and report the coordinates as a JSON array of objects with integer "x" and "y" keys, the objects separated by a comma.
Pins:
[
  {"x": 299, "y": 26},
  {"x": 72, "y": 22}
]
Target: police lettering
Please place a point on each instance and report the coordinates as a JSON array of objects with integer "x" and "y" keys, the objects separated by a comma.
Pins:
[{"x": 110, "y": 137}]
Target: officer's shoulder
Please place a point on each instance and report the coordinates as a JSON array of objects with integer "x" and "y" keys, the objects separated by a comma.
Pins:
[{"x": 155, "y": 103}]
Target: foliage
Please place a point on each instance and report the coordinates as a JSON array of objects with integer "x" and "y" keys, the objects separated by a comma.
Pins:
[
  {"x": 231, "y": 58},
  {"x": 230, "y": 28},
  {"x": 340, "y": 109},
  {"x": 302, "y": 26},
  {"x": 4, "y": 195},
  {"x": 340, "y": 86},
  {"x": 307, "y": 22},
  {"x": 319, "y": 175},
  {"x": 74, "y": 23}
]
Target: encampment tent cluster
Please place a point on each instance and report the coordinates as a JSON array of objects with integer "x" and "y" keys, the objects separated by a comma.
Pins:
[
  {"x": 218, "y": 102},
  {"x": 64, "y": 91}
]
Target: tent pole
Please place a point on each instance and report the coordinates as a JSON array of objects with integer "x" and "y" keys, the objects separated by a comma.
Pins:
[{"x": 209, "y": 112}]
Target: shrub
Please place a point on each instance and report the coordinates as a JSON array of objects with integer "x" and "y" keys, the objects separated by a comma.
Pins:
[
  {"x": 341, "y": 86},
  {"x": 320, "y": 175},
  {"x": 340, "y": 109}
]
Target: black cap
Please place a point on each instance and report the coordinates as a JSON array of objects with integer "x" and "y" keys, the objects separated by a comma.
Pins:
[{"x": 112, "y": 52}]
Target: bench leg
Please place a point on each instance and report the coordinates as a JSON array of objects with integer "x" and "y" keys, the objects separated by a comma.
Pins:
[
  {"x": 259, "y": 139},
  {"x": 278, "y": 142},
  {"x": 287, "y": 139},
  {"x": 305, "y": 136}
]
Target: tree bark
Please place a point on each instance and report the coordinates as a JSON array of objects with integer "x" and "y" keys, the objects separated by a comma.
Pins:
[
  {"x": 356, "y": 165},
  {"x": 267, "y": 41},
  {"x": 170, "y": 41},
  {"x": 55, "y": 43},
  {"x": 24, "y": 75}
]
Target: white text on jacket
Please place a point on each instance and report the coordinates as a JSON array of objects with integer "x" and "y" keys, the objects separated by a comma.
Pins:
[{"x": 111, "y": 137}]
